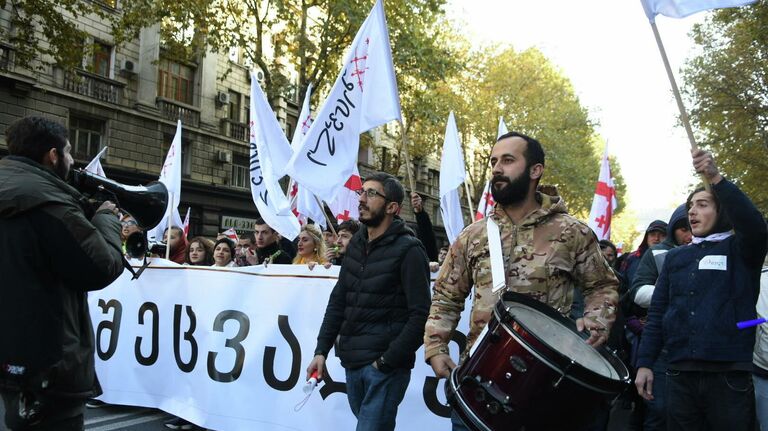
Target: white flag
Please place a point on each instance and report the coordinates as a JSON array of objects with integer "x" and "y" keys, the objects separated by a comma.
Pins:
[
  {"x": 452, "y": 176},
  {"x": 303, "y": 202},
  {"x": 94, "y": 166},
  {"x": 363, "y": 97},
  {"x": 270, "y": 152},
  {"x": 170, "y": 176},
  {"x": 683, "y": 8},
  {"x": 502, "y": 128},
  {"x": 604, "y": 203},
  {"x": 345, "y": 206},
  {"x": 486, "y": 204}
]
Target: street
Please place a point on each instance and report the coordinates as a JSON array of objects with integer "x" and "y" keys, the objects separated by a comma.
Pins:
[{"x": 112, "y": 417}]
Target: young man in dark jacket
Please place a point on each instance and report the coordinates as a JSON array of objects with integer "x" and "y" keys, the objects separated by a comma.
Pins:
[
  {"x": 378, "y": 307},
  {"x": 703, "y": 290},
  {"x": 54, "y": 250}
]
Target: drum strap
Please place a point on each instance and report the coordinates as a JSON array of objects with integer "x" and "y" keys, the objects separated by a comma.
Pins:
[{"x": 498, "y": 276}]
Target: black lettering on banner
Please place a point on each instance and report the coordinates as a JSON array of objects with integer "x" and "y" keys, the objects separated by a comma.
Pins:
[
  {"x": 244, "y": 326},
  {"x": 189, "y": 335},
  {"x": 432, "y": 384},
  {"x": 255, "y": 164},
  {"x": 112, "y": 325},
  {"x": 331, "y": 387},
  {"x": 269, "y": 358},
  {"x": 344, "y": 108},
  {"x": 155, "y": 340}
]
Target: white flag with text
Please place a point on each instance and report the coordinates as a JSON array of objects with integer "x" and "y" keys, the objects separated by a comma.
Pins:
[
  {"x": 170, "y": 176},
  {"x": 364, "y": 96}
]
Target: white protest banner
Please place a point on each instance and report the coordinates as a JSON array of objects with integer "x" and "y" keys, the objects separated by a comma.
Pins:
[{"x": 227, "y": 349}]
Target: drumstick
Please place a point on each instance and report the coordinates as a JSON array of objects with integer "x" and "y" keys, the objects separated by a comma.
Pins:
[{"x": 750, "y": 323}]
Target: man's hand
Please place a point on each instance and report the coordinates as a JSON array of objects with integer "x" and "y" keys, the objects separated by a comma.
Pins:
[
  {"x": 442, "y": 365},
  {"x": 704, "y": 164},
  {"x": 108, "y": 206},
  {"x": 598, "y": 332},
  {"x": 331, "y": 253},
  {"x": 644, "y": 383},
  {"x": 250, "y": 256},
  {"x": 317, "y": 364},
  {"x": 416, "y": 202}
]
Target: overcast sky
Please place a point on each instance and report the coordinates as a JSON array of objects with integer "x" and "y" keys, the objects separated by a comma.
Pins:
[{"x": 607, "y": 49}]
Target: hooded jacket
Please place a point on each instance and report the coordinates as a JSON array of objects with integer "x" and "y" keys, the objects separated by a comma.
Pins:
[
  {"x": 52, "y": 255},
  {"x": 547, "y": 256},
  {"x": 630, "y": 264},
  {"x": 379, "y": 305}
]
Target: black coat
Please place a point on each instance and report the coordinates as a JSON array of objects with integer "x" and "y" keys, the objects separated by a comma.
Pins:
[
  {"x": 380, "y": 303},
  {"x": 51, "y": 255}
]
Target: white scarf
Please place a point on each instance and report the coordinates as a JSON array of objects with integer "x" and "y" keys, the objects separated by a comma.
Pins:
[{"x": 715, "y": 237}]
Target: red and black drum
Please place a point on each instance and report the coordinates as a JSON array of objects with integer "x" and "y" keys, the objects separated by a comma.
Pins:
[{"x": 531, "y": 369}]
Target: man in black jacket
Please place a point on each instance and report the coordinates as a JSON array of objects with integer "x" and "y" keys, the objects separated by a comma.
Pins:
[
  {"x": 378, "y": 308},
  {"x": 54, "y": 250}
]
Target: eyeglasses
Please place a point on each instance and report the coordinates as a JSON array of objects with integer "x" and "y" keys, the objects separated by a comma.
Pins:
[
  {"x": 371, "y": 193},
  {"x": 129, "y": 223}
]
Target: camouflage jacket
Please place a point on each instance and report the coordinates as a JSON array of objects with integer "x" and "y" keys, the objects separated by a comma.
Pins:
[{"x": 545, "y": 256}]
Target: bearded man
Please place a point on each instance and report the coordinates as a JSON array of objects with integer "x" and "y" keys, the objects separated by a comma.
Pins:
[
  {"x": 378, "y": 307},
  {"x": 547, "y": 254}
]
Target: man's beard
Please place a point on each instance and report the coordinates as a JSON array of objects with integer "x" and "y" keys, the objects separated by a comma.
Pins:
[
  {"x": 61, "y": 169},
  {"x": 375, "y": 217},
  {"x": 514, "y": 192}
]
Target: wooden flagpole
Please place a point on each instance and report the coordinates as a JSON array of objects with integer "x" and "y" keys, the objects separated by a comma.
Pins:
[
  {"x": 469, "y": 201},
  {"x": 407, "y": 158},
  {"x": 678, "y": 99},
  {"x": 327, "y": 219}
]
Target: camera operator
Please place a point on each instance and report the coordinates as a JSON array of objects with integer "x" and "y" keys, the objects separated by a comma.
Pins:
[{"x": 53, "y": 249}]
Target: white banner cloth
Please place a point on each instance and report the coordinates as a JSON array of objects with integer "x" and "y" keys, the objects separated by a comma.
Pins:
[{"x": 228, "y": 348}]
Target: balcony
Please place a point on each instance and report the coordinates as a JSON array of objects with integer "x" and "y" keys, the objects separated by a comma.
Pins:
[
  {"x": 172, "y": 110},
  {"x": 95, "y": 86},
  {"x": 235, "y": 130}
]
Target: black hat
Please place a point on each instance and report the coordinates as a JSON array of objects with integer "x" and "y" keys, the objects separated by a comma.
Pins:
[{"x": 657, "y": 225}]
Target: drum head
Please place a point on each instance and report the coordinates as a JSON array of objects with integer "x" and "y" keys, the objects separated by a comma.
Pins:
[{"x": 561, "y": 339}]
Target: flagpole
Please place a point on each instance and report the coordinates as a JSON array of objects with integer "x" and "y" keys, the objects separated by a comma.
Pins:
[
  {"x": 327, "y": 219},
  {"x": 469, "y": 201},
  {"x": 678, "y": 99},
  {"x": 168, "y": 229},
  {"x": 407, "y": 158}
]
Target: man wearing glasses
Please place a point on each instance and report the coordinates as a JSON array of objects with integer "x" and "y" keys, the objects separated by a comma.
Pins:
[{"x": 378, "y": 308}]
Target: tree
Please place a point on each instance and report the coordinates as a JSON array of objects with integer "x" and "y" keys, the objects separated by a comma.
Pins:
[
  {"x": 538, "y": 100},
  {"x": 62, "y": 43},
  {"x": 727, "y": 89}
]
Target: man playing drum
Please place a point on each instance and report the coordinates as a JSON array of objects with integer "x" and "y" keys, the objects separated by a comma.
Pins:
[{"x": 546, "y": 254}]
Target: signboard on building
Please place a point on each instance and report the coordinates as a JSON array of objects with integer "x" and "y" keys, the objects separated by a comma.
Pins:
[{"x": 240, "y": 224}]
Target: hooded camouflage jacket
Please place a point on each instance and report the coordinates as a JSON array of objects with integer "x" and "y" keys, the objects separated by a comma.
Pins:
[{"x": 545, "y": 256}]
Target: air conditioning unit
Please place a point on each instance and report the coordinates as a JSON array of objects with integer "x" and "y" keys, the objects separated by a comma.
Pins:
[
  {"x": 223, "y": 98},
  {"x": 128, "y": 67},
  {"x": 224, "y": 156},
  {"x": 260, "y": 75}
]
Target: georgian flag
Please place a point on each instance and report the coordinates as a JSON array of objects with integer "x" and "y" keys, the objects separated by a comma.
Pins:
[
  {"x": 186, "y": 223},
  {"x": 364, "y": 96},
  {"x": 604, "y": 203},
  {"x": 344, "y": 207},
  {"x": 485, "y": 207}
]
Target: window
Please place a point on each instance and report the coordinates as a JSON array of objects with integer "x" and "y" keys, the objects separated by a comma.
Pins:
[
  {"x": 234, "y": 106},
  {"x": 175, "y": 81},
  {"x": 247, "y": 108},
  {"x": 102, "y": 59},
  {"x": 86, "y": 137},
  {"x": 186, "y": 147},
  {"x": 240, "y": 171}
]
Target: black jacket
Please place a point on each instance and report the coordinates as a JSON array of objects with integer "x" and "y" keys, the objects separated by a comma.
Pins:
[
  {"x": 274, "y": 251},
  {"x": 51, "y": 255},
  {"x": 380, "y": 304}
]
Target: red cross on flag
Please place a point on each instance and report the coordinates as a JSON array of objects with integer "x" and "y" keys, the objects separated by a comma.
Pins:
[
  {"x": 604, "y": 203},
  {"x": 486, "y": 204},
  {"x": 364, "y": 96},
  {"x": 344, "y": 207}
]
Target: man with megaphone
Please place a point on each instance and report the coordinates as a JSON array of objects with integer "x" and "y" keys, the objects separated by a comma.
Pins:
[{"x": 54, "y": 248}]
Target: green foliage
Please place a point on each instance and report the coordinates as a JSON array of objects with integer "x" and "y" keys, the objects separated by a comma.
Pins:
[
  {"x": 62, "y": 42},
  {"x": 727, "y": 89}
]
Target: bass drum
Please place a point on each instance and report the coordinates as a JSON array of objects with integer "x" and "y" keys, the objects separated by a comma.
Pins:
[{"x": 531, "y": 369}]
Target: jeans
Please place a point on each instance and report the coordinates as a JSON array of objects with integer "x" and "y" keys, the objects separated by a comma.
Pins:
[
  {"x": 374, "y": 396},
  {"x": 761, "y": 401},
  {"x": 715, "y": 401},
  {"x": 456, "y": 423}
]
